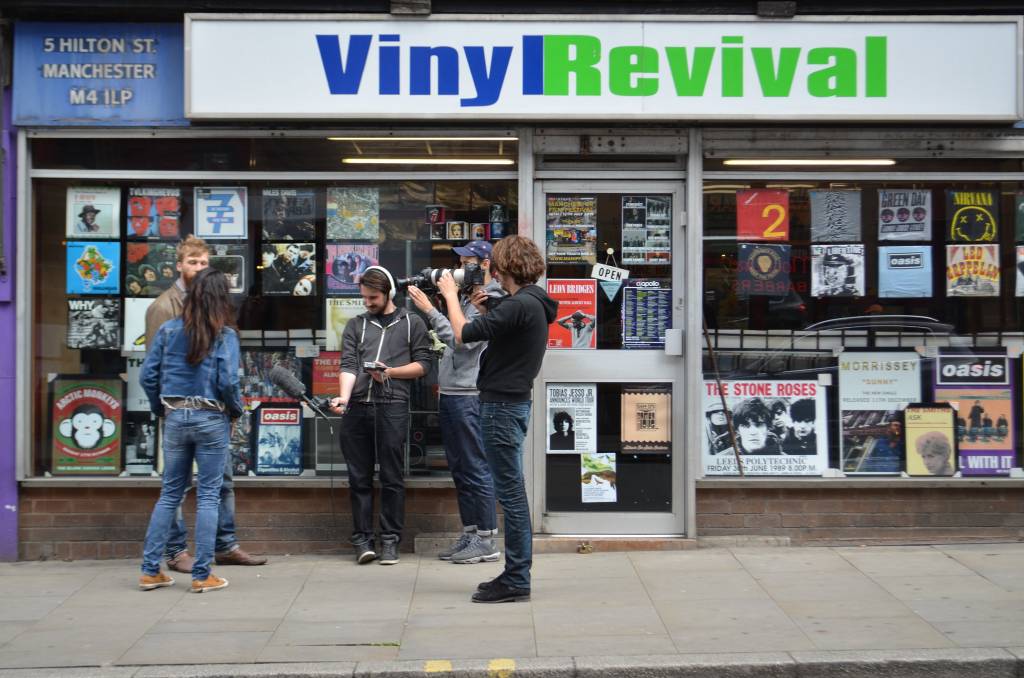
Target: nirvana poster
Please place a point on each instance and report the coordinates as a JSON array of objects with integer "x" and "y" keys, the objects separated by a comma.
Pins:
[
  {"x": 278, "y": 441},
  {"x": 94, "y": 323},
  {"x": 86, "y": 419},
  {"x": 874, "y": 388},
  {"x": 781, "y": 428},
  {"x": 971, "y": 216}
]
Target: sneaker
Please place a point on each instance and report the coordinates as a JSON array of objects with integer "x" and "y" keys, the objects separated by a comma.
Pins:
[
  {"x": 479, "y": 551},
  {"x": 489, "y": 584},
  {"x": 211, "y": 583},
  {"x": 181, "y": 562},
  {"x": 148, "y": 582},
  {"x": 365, "y": 553},
  {"x": 460, "y": 543},
  {"x": 501, "y": 592},
  {"x": 389, "y": 553}
]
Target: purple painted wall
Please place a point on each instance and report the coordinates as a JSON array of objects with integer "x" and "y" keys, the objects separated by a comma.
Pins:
[{"x": 8, "y": 482}]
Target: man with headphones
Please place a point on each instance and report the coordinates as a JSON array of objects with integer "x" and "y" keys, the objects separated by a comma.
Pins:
[{"x": 383, "y": 350}]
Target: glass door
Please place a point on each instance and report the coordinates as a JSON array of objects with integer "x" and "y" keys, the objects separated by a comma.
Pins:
[{"x": 608, "y": 418}]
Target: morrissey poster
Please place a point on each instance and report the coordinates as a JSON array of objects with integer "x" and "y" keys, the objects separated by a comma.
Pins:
[
  {"x": 93, "y": 213},
  {"x": 646, "y": 426},
  {"x": 904, "y": 214},
  {"x": 905, "y": 271},
  {"x": 781, "y": 428},
  {"x": 353, "y": 213},
  {"x": 874, "y": 389},
  {"x": 86, "y": 417},
  {"x": 220, "y": 213},
  {"x": 577, "y": 313},
  {"x": 972, "y": 270},
  {"x": 289, "y": 214},
  {"x": 154, "y": 213},
  {"x": 571, "y": 229},
  {"x": 762, "y": 270},
  {"x": 980, "y": 387},
  {"x": 971, "y": 216},
  {"x": 835, "y": 215},
  {"x": 93, "y": 267},
  {"x": 837, "y": 271},
  {"x": 572, "y": 418},
  {"x": 94, "y": 323}
]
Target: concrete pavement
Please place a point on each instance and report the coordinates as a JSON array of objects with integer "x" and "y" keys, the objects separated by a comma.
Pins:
[{"x": 943, "y": 610}]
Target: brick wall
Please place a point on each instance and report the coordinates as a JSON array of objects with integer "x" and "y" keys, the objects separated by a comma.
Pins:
[
  {"x": 74, "y": 523},
  {"x": 845, "y": 515}
]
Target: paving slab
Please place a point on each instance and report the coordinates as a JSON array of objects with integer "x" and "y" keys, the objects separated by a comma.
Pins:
[
  {"x": 931, "y": 587},
  {"x": 873, "y": 633},
  {"x": 983, "y": 633},
  {"x": 763, "y": 665},
  {"x": 195, "y": 648},
  {"x": 291, "y": 670},
  {"x": 942, "y": 663}
]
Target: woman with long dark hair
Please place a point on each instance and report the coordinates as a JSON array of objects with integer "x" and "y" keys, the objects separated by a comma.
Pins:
[{"x": 190, "y": 376}]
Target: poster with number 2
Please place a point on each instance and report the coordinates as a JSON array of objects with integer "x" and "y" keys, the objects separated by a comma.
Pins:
[{"x": 762, "y": 215}]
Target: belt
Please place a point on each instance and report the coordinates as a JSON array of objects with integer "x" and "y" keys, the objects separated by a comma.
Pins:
[{"x": 192, "y": 403}]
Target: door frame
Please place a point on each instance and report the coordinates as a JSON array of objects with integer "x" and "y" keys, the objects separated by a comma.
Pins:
[{"x": 574, "y": 363}]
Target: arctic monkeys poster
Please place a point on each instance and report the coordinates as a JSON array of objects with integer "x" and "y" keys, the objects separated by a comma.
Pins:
[{"x": 85, "y": 419}]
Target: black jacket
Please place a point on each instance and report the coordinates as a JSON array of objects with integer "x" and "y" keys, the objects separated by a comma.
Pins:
[{"x": 517, "y": 329}]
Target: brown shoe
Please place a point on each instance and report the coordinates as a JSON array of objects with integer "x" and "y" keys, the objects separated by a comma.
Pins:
[
  {"x": 211, "y": 583},
  {"x": 148, "y": 582},
  {"x": 181, "y": 563},
  {"x": 239, "y": 557}
]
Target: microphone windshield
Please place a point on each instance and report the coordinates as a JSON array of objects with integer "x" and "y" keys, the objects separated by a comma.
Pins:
[{"x": 286, "y": 381}]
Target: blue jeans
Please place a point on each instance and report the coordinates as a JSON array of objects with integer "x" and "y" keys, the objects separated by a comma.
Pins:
[
  {"x": 189, "y": 435},
  {"x": 504, "y": 427},
  {"x": 177, "y": 538},
  {"x": 463, "y": 445}
]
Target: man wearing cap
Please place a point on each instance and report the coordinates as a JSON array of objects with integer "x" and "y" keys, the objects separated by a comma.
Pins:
[
  {"x": 837, "y": 275},
  {"x": 87, "y": 220},
  {"x": 459, "y": 410}
]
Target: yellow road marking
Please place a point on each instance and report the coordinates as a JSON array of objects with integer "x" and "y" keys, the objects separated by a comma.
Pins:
[
  {"x": 437, "y": 666},
  {"x": 501, "y": 668}
]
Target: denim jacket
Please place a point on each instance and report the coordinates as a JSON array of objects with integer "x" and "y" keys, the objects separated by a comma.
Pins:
[{"x": 166, "y": 372}]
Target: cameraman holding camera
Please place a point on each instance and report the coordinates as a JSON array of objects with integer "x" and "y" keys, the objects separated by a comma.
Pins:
[
  {"x": 517, "y": 329},
  {"x": 382, "y": 351},
  {"x": 459, "y": 410}
]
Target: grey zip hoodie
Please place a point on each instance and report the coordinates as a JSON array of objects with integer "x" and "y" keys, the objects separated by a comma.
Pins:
[
  {"x": 404, "y": 340},
  {"x": 460, "y": 363}
]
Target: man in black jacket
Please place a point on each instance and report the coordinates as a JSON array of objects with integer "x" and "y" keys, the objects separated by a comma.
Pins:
[
  {"x": 517, "y": 329},
  {"x": 375, "y": 403}
]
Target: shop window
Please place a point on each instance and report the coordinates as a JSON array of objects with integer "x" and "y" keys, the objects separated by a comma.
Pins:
[{"x": 292, "y": 251}]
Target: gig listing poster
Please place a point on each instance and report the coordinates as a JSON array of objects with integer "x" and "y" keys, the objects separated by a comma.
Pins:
[
  {"x": 904, "y": 214},
  {"x": 576, "y": 324},
  {"x": 571, "y": 229},
  {"x": 86, "y": 417},
  {"x": 980, "y": 387},
  {"x": 646, "y": 312},
  {"x": 646, "y": 229},
  {"x": 572, "y": 418}
]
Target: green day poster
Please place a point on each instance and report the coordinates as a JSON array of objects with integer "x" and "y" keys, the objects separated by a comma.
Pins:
[
  {"x": 86, "y": 421},
  {"x": 971, "y": 216},
  {"x": 904, "y": 214},
  {"x": 571, "y": 229},
  {"x": 762, "y": 270},
  {"x": 781, "y": 428},
  {"x": 874, "y": 389}
]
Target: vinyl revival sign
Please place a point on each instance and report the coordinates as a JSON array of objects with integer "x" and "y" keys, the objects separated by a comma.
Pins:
[{"x": 657, "y": 69}]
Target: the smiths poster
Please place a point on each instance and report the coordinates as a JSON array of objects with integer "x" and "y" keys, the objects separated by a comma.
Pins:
[
  {"x": 86, "y": 421},
  {"x": 94, "y": 323},
  {"x": 835, "y": 216},
  {"x": 837, "y": 270},
  {"x": 353, "y": 214},
  {"x": 980, "y": 388},
  {"x": 762, "y": 270},
  {"x": 904, "y": 214},
  {"x": 874, "y": 388},
  {"x": 571, "y": 229},
  {"x": 905, "y": 271},
  {"x": 972, "y": 270},
  {"x": 154, "y": 213},
  {"x": 572, "y": 418},
  {"x": 780, "y": 426},
  {"x": 577, "y": 313},
  {"x": 971, "y": 216}
]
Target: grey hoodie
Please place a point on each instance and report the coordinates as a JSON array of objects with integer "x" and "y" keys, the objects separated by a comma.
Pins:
[{"x": 460, "y": 363}]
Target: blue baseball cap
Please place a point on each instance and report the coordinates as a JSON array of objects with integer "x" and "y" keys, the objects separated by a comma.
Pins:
[{"x": 474, "y": 248}]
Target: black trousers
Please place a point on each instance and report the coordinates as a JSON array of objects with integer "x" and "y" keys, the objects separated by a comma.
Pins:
[{"x": 376, "y": 432}]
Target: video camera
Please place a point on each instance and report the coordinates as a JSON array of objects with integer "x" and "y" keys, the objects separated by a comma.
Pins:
[{"x": 466, "y": 278}]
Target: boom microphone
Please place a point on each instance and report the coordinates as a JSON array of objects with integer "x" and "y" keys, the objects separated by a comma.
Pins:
[{"x": 286, "y": 381}]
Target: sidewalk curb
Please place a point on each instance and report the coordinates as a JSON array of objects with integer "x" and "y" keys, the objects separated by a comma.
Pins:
[{"x": 945, "y": 663}]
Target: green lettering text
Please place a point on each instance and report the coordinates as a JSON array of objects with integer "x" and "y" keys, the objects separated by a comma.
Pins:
[
  {"x": 775, "y": 82},
  {"x": 839, "y": 79},
  {"x": 626, "y": 62},
  {"x": 576, "y": 54},
  {"x": 690, "y": 82}
]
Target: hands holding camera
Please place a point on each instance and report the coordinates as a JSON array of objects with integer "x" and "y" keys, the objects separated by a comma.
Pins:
[{"x": 421, "y": 301}]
